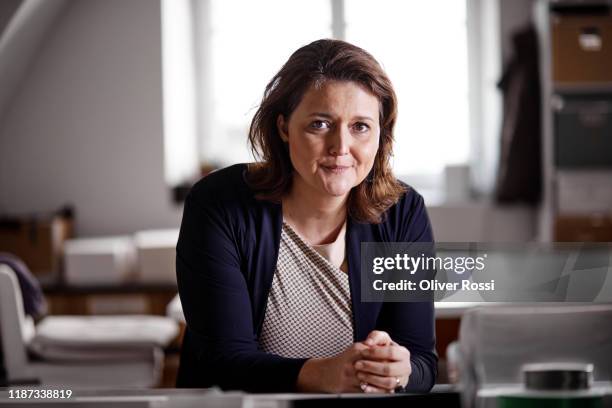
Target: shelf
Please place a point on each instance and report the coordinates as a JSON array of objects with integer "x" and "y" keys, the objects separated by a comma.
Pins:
[
  {"x": 126, "y": 288},
  {"x": 577, "y": 7},
  {"x": 583, "y": 88}
]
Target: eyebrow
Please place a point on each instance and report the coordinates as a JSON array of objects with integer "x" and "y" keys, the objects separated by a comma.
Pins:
[{"x": 328, "y": 116}]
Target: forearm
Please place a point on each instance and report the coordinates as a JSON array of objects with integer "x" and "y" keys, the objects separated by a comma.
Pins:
[
  {"x": 424, "y": 372},
  {"x": 309, "y": 378},
  {"x": 254, "y": 371}
]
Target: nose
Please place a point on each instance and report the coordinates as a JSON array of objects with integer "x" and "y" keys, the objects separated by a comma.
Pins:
[{"x": 339, "y": 141}]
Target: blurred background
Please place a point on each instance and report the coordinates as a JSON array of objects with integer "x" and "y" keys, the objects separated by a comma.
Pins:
[{"x": 111, "y": 109}]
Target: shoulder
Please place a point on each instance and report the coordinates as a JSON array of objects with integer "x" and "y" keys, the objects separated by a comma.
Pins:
[
  {"x": 224, "y": 186},
  {"x": 225, "y": 197},
  {"x": 412, "y": 203},
  {"x": 410, "y": 200},
  {"x": 407, "y": 219}
]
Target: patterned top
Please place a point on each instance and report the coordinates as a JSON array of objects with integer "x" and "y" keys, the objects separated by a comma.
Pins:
[{"x": 309, "y": 312}]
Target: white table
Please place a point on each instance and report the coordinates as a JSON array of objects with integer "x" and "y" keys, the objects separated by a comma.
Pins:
[{"x": 443, "y": 309}]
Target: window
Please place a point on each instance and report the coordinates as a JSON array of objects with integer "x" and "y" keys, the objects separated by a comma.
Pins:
[
  {"x": 249, "y": 41},
  {"x": 422, "y": 46},
  {"x": 180, "y": 132},
  {"x": 241, "y": 44}
]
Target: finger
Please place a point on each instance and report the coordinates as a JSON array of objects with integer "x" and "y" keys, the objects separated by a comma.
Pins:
[
  {"x": 378, "y": 337},
  {"x": 385, "y": 369},
  {"x": 350, "y": 377},
  {"x": 353, "y": 388},
  {"x": 384, "y": 383},
  {"x": 357, "y": 348},
  {"x": 386, "y": 353},
  {"x": 371, "y": 389}
]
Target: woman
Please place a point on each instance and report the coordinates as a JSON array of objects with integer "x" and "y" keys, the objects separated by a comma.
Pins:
[{"x": 268, "y": 256}]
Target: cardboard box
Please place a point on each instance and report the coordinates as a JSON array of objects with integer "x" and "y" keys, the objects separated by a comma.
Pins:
[
  {"x": 583, "y": 132},
  {"x": 100, "y": 261},
  {"x": 157, "y": 255},
  {"x": 38, "y": 241},
  {"x": 584, "y": 192},
  {"x": 595, "y": 228},
  {"x": 581, "y": 48}
]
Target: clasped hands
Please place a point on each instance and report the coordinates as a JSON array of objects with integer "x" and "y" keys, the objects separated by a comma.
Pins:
[{"x": 376, "y": 365}]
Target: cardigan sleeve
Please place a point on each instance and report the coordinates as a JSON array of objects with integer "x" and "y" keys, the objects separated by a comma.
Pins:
[
  {"x": 217, "y": 306},
  {"x": 411, "y": 324}
]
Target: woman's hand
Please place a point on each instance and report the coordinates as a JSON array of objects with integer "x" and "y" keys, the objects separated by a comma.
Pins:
[
  {"x": 384, "y": 365},
  {"x": 333, "y": 374}
]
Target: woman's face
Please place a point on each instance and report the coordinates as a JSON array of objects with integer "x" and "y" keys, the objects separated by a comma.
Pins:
[{"x": 333, "y": 137}]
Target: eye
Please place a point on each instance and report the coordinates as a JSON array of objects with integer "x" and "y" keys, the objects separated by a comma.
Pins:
[
  {"x": 361, "y": 127},
  {"x": 319, "y": 124}
]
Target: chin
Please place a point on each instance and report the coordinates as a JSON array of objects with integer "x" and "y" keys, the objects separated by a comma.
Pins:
[
  {"x": 338, "y": 193},
  {"x": 338, "y": 190}
]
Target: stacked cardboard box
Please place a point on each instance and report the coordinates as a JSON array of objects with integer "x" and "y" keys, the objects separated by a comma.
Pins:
[
  {"x": 145, "y": 257},
  {"x": 37, "y": 240},
  {"x": 157, "y": 255},
  {"x": 100, "y": 261},
  {"x": 581, "y": 40}
]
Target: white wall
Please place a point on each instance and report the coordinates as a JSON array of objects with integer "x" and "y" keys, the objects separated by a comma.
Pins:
[{"x": 86, "y": 125}]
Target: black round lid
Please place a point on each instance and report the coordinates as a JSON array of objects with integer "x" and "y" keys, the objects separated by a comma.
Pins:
[{"x": 558, "y": 376}]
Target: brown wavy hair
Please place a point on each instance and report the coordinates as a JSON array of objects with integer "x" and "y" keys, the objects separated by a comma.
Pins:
[{"x": 312, "y": 65}]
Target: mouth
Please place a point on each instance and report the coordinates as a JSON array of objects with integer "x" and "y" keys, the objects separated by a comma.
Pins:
[{"x": 335, "y": 169}]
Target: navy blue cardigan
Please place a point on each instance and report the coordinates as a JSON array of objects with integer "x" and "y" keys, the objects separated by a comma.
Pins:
[{"x": 225, "y": 261}]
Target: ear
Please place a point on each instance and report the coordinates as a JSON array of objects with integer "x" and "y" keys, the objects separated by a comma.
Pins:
[{"x": 282, "y": 127}]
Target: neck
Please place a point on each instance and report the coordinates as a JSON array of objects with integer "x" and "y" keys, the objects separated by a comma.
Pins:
[{"x": 316, "y": 218}]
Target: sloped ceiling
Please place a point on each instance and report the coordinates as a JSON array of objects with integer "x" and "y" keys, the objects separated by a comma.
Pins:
[
  {"x": 20, "y": 40},
  {"x": 7, "y": 9}
]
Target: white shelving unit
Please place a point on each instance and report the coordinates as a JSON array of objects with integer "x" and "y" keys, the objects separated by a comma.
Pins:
[{"x": 554, "y": 95}]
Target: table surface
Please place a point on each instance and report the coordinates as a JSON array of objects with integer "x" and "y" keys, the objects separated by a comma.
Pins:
[{"x": 442, "y": 395}]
